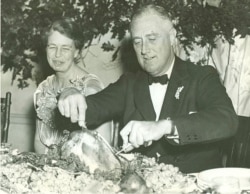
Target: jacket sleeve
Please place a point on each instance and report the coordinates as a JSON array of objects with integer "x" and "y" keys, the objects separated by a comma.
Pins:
[
  {"x": 107, "y": 104},
  {"x": 215, "y": 118}
]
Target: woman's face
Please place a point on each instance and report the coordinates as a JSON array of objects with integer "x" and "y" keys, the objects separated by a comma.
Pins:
[{"x": 61, "y": 52}]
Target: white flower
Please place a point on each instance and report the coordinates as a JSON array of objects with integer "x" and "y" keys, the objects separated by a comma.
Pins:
[{"x": 178, "y": 91}]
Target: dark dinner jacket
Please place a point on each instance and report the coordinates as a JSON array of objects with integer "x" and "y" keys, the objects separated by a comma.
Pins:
[{"x": 195, "y": 100}]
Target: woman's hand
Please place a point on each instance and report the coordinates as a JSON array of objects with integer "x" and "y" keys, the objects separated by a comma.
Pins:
[
  {"x": 72, "y": 104},
  {"x": 139, "y": 133}
]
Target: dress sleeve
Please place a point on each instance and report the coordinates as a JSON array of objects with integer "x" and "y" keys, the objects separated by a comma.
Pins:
[
  {"x": 41, "y": 89},
  {"x": 89, "y": 84},
  {"x": 93, "y": 84}
]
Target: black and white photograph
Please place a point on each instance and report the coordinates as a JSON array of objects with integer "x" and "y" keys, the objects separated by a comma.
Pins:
[{"x": 125, "y": 97}]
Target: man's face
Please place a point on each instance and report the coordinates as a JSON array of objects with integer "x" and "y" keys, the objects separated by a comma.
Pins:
[
  {"x": 151, "y": 41},
  {"x": 61, "y": 52}
]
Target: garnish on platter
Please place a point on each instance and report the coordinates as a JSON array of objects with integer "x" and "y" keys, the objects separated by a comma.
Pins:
[{"x": 33, "y": 173}]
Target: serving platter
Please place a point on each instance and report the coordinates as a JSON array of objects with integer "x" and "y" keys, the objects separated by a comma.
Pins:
[
  {"x": 34, "y": 173},
  {"x": 204, "y": 178}
]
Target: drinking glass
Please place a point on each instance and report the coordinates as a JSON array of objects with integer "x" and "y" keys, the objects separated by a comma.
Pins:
[{"x": 49, "y": 136}]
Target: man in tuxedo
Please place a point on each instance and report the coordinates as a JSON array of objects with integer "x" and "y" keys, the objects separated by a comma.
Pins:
[{"x": 171, "y": 109}]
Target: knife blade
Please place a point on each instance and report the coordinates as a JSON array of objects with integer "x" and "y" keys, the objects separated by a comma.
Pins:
[{"x": 123, "y": 149}]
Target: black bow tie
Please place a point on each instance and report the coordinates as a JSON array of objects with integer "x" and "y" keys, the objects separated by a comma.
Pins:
[{"x": 160, "y": 79}]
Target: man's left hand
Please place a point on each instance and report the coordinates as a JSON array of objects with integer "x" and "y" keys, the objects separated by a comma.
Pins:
[{"x": 139, "y": 133}]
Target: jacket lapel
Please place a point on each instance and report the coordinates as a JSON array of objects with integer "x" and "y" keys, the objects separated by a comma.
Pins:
[
  {"x": 143, "y": 102},
  {"x": 176, "y": 88},
  {"x": 179, "y": 81}
]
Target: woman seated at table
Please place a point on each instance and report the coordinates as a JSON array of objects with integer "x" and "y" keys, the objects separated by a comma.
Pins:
[{"x": 63, "y": 49}]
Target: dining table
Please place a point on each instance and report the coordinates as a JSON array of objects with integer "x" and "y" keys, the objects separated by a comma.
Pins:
[{"x": 29, "y": 172}]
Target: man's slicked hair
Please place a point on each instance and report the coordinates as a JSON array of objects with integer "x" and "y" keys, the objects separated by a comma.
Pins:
[{"x": 151, "y": 9}]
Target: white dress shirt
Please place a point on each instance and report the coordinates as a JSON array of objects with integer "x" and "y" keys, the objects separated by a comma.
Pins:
[{"x": 157, "y": 93}]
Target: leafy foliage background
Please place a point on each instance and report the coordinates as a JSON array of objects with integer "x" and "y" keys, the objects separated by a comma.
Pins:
[{"x": 23, "y": 23}]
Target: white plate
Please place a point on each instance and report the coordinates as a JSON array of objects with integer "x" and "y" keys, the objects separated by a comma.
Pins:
[{"x": 243, "y": 174}]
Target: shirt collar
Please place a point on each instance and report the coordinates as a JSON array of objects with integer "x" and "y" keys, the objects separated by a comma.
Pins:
[{"x": 170, "y": 69}]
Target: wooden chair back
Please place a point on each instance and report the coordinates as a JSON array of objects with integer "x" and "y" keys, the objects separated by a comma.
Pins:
[
  {"x": 5, "y": 116},
  {"x": 239, "y": 155}
]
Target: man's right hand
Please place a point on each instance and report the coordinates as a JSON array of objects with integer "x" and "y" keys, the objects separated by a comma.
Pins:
[{"x": 72, "y": 104}]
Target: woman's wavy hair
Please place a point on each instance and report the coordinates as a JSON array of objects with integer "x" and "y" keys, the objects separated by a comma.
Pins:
[{"x": 68, "y": 28}]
